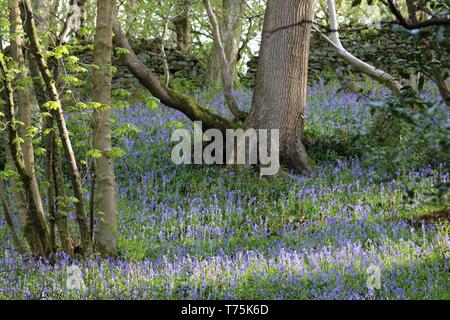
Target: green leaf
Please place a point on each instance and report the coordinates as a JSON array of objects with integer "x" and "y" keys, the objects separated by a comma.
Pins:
[
  {"x": 52, "y": 105},
  {"x": 121, "y": 93},
  {"x": 151, "y": 102},
  {"x": 116, "y": 153},
  {"x": 60, "y": 51},
  {"x": 72, "y": 59},
  {"x": 47, "y": 131},
  {"x": 72, "y": 200},
  {"x": 94, "y": 153},
  {"x": 39, "y": 151},
  {"x": 121, "y": 51},
  {"x": 18, "y": 140}
]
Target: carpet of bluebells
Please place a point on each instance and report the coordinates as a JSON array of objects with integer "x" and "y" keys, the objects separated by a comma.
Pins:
[{"x": 205, "y": 232}]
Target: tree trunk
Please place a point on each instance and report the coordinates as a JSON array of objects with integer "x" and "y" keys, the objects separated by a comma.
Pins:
[
  {"x": 35, "y": 47},
  {"x": 9, "y": 221},
  {"x": 182, "y": 23},
  {"x": 233, "y": 10},
  {"x": 104, "y": 170},
  {"x": 42, "y": 13},
  {"x": 25, "y": 217},
  {"x": 279, "y": 100},
  {"x": 226, "y": 76},
  {"x": 230, "y": 23},
  {"x": 75, "y": 20},
  {"x": 281, "y": 80},
  {"x": 32, "y": 196},
  {"x": 24, "y": 109},
  {"x": 441, "y": 83},
  {"x": 57, "y": 185}
]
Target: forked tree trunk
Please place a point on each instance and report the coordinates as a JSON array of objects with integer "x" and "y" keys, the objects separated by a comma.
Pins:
[
  {"x": 105, "y": 181},
  {"x": 279, "y": 100}
]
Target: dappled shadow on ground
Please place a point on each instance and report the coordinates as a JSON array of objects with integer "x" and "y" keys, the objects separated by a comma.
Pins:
[{"x": 437, "y": 216}]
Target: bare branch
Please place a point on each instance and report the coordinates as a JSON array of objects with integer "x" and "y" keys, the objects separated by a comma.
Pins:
[
  {"x": 225, "y": 65},
  {"x": 362, "y": 66},
  {"x": 418, "y": 25}
]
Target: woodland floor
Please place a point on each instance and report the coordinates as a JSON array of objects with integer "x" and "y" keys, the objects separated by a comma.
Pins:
[{"x": 200, "y": 232}]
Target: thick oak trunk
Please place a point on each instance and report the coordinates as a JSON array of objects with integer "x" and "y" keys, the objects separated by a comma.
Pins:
[{"x": 279, "y": 100}]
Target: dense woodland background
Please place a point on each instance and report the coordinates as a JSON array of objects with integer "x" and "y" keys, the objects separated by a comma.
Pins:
[{"x": 92, "y": 90}]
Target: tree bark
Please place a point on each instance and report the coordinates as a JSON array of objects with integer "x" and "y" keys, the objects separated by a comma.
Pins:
[
  {"x": 230, "y": 26},
  {"x": 234, "y": 10},
  {"x": 35, "y": 47},
  {"x": 24, "y": 108},
  {"x": 104, "y": 170},
  {"x": 279, "y": 100},
  {"x": 441, "y": 83},
  {"x": 25, "y": 217},
  {"x": 8, "y": 217},
  {"x": 42, "y": 13},
  {"x": 163, "y": 52},
  {"x": 182, "y": 23},
  {"x": 226, "y": 75},
  {"x": 75, "y": 20},
  {"x": 55, "y": 172},
  {"x": 28, "y": 180},
  {"x": 166, "y": 95}
]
